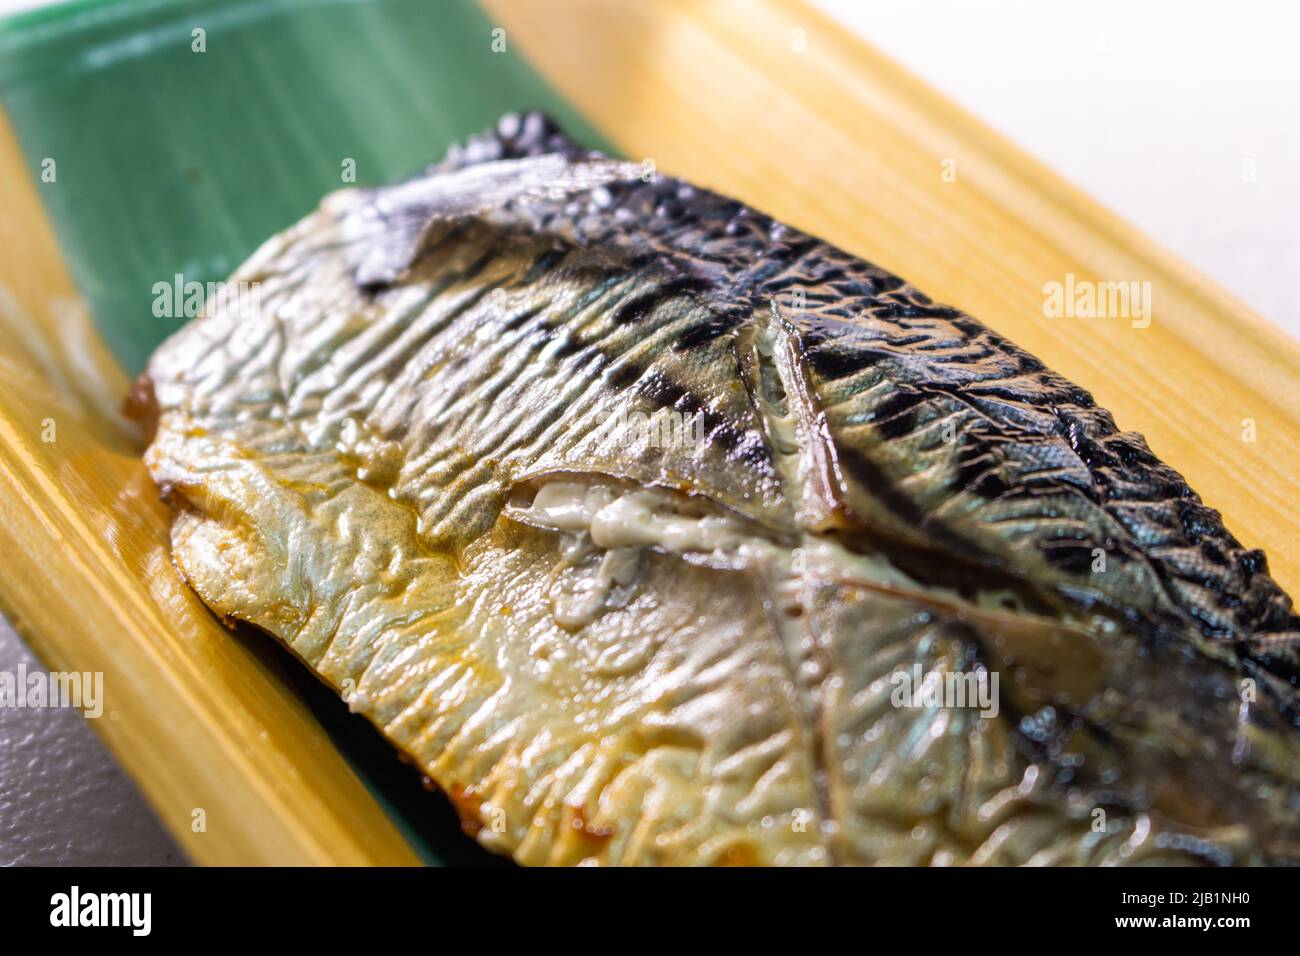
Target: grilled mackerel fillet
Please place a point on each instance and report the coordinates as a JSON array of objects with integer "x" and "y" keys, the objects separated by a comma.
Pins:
[{"x": 626, "y": 512}]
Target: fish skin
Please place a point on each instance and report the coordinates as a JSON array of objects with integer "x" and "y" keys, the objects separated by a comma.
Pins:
[{"x": 351, "y": 466}]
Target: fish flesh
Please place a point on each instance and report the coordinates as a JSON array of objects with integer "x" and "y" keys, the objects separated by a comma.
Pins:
[{"x": 655, "y": 531}]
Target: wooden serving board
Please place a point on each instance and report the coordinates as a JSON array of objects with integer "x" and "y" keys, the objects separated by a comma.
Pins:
[{"x": 765, "y": 100}]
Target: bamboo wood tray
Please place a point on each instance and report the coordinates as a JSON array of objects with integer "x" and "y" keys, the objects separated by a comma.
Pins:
[{"x": 767, "y": 100}]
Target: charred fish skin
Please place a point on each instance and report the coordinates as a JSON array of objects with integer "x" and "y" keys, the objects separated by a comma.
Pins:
[{"x": 629, "y": 513}]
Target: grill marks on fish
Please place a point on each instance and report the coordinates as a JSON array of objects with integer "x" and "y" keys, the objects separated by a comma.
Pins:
[
  {"x": 640, "y": 306},
  {"x": 882, "y": 483}
]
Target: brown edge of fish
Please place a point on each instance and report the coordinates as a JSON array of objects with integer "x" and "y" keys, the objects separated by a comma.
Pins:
[{"x": 141, "y": 406}]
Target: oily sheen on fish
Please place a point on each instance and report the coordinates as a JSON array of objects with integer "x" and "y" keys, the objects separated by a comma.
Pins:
[{"x": 658, "y": 532}]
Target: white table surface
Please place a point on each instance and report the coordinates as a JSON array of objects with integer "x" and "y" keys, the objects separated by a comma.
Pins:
[{"x": 1155, "y": 108}]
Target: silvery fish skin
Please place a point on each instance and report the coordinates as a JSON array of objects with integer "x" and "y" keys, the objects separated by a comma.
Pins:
[{"x": 658, "y": 532}]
